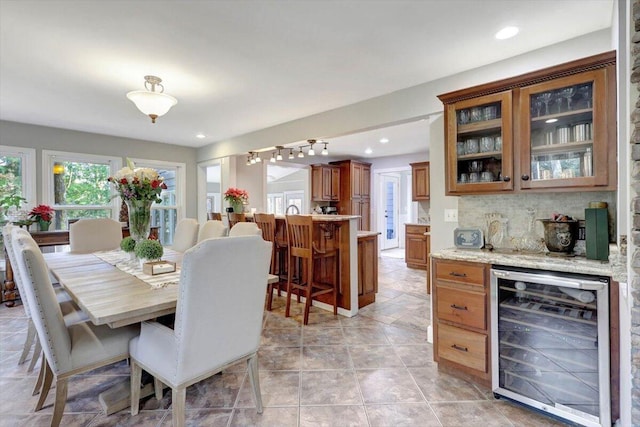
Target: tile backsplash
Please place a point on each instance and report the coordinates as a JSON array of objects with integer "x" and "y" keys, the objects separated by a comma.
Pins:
[{"x": 472, "y": 209}]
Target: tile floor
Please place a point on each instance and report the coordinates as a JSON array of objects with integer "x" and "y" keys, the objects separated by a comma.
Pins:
[{"x": 375, "y": 369}]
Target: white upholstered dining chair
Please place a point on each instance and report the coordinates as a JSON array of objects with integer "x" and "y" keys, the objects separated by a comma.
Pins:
[
  {"x": 71, "y": 312},
  {"x": 94, "y": 234},
  {"x": 69, "y": 349},
  {"x": 215, "y": 285},
  {"x": 185, "y": 235},
  {"x": 212, "y": 229},
  {"x": 245, "y": 229}
]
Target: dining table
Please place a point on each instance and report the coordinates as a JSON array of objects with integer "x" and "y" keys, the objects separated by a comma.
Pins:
[{"x": 112, "y": 290}]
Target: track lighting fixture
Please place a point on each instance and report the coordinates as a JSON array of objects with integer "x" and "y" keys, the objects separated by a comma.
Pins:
[{"x": 276, "y": 155}]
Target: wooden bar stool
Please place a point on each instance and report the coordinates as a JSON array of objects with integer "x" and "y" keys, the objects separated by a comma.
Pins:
[
  {"x": 214, "y": 216},
  {"x": 267, "y": 223},
  {"x": 303, "y": 249},
  {"x": 235, "y": 218}
]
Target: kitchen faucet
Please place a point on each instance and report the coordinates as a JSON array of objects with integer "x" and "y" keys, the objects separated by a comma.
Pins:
[{"x": 296, "y": 211}]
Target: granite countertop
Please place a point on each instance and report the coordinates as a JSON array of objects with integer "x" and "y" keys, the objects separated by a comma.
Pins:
[
  {"x": 319, "y": 217},
  {"x": 539, "y": 261},
  {"x": 368, "y": 233},
  {"x": 418, "y": 223}
]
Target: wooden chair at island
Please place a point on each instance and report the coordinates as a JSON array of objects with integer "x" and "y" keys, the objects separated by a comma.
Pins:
[
  {"x": 302, "y": 248},
  {"x": 214, "y": 216},
  {"x": 267, "y": 223},
  {"x": 235, "y": 218}
]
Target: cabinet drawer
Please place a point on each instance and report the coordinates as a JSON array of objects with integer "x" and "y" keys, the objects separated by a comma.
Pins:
[
  {"x": 464, "y": 347},
  {"x": 465, "y": 308},
  {"x": 416, "y": 229},
  {"x": 460, "y": 272}
]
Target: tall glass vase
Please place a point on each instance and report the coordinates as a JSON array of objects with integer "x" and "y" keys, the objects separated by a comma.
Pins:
[{"x": 139, "y": 218}]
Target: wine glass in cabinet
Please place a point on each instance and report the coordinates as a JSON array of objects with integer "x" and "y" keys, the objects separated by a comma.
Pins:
[{"x": 479, "y": 144}]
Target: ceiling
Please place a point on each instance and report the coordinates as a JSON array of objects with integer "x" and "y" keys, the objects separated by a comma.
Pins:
[{"x": 240, "y": 66}]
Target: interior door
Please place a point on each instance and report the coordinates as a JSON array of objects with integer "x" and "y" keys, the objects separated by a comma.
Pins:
[{"x": 390, "y": 211}]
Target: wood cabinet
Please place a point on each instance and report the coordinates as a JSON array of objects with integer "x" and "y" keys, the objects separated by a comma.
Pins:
[
  {"x": 355, "y": 191},
  {"x": 367, "y": 268},
  {"x": 416, "y": 246},
  {"x": 325, "y": 183},
  {"x": 420, "y": 181},
  {"x": 461, "y": 329},
  {"x": 543, "y": 131}
]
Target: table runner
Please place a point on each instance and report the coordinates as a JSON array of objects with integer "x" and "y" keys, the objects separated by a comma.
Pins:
[{"x": 122, "y": 261}]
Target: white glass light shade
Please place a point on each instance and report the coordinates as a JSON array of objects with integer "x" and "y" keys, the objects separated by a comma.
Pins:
[{"x": 153, "y": 104}]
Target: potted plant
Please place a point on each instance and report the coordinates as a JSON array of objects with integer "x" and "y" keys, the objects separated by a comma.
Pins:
[
  {"x": 236, "y": 198},
  {"x": 42, "y": 214},
  {"x": 128, "y": 245},
  {"x": 148, "y": 250}
]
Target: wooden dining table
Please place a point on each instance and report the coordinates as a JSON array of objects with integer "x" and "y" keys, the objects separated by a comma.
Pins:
[{"x": 113, "y": 297}]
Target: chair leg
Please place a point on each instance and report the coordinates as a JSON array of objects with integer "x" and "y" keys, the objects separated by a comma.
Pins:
[
  {"x": 252, "y": 368},
  {"x": 37, "y": 352},
  {"x": 158, "y": 387},
  {"x": 28, "y": 342},
  {"x": 38, "y": 384},
  {"x": 307, "y": 303},
  {"x": 46, "y": 386},
  {"x": 289, "y": 288},
  {"x": 61, "y": 401},
  {"x": 178, "y": 397},
  {"x": 136, "y": 377},
  {"x": 269, "y": 296}
]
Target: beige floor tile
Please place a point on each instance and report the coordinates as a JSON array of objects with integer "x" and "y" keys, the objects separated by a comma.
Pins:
[
  {"x": 278, "y": 388},
  {"x": 402, "y": 415},
  {"x": 270, "y": 417},
  {"x": 484, "y": 414},
  {"x": 329, "y": 388},
  {"x": 374, "y": 356},
  {"x": 332, "y": 416},
  {"x": 388, "y": 386},
  {"x": 441, "y": 387},
  {"x": 326, "y": 357}
]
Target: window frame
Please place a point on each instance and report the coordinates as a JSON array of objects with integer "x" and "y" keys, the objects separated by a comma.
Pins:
[
  {"x": 28, "y": 177},
  {"x": 49, "y": 157},
  {"x": 181, "y": 184}
]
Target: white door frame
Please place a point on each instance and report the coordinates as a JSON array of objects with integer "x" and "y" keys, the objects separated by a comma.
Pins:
[
  {"x": 375, "y": 203},
  {"x": 395, "y": 179}
]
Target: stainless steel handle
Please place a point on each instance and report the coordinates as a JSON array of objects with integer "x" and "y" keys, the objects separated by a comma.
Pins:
[
  {"x": 566, "y": 282},
  {"x": 458, "y": 307},
  {"x": 459, "y": 348}
]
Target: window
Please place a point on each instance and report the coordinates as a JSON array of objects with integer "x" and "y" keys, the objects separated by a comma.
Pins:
[
  {"x": 18, "y": 174},
  {"x": 166, "y": 214},
  {"x": 76, "y": 186},
  {"x": 274, "y": 203}
]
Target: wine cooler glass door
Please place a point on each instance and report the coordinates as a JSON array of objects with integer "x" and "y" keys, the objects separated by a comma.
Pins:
[{"x": 550, "y": 343}]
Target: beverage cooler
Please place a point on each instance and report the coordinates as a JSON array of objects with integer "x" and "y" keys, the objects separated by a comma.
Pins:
[{"x": 550, "y": 342}]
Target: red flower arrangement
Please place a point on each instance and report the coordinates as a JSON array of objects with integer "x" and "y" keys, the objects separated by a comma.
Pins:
[
  {"x": 236, "y": 195},
  {"x": 42, "y": 213}
]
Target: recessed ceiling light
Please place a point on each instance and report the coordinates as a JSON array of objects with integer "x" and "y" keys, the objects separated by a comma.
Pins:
[
  {"x": 201, "y": 136},
  {"x": 507, "y": 33},
  {"x": 368, "y": 150},
  {"x": 551, "y": 121},
  {"x": 384, "y": 140}
]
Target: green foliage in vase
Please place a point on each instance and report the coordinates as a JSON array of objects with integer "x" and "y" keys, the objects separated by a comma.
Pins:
[
  {"x": 149, "y": 249},
  {"x": 128, "y": 244}
]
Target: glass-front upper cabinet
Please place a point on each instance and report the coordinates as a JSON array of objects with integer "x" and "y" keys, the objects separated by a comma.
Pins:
[
  {"x": 563, "y": 132},
  {"x": 479, "y": 144}
]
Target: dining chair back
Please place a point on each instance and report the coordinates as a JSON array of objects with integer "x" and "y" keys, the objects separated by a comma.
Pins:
[
  {"x": 267, "y": 223},
  {"x": 235, "y": 218},
  {"x": 94, "y": 234},
  {"x": 303, "y": 250},
  {"x": 185, "y": 235},
  {"x": 68, "y": 349},
  {"x": 212, "y": 229},
  {"x": 214, "y": 216},
  {"x": 215, "y": 285},
  {"x": 245, "y": 229}
]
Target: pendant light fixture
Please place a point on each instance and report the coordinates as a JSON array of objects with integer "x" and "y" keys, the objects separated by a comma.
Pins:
[
  {"x": 153, "y": 101},
  {"x": 276, "y": 155},
  {"x": 311, "y": 151}
]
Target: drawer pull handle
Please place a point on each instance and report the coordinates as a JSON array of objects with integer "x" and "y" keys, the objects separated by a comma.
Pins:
[
  {"x": 460, "y": 348},
  {"x": 458, "y": 307},
  {"x": 453, "y": 273}
]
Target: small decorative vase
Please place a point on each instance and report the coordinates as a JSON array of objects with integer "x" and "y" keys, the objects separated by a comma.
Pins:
[
  {"x": 238, "y": 207},
  {"x": 43, "y": 225},
  {"x": 139, "y": 218}
]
